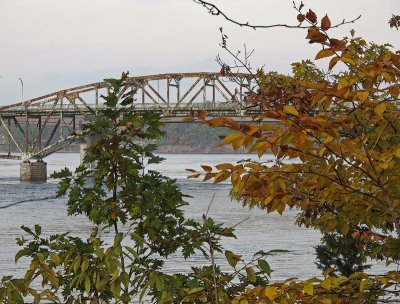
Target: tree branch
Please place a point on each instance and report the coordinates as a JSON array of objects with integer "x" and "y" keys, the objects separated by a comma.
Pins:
[{"x": 215, "y": 11}]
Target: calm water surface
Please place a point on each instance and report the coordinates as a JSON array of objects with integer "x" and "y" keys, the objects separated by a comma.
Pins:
[{"x": 260, "y": 232}]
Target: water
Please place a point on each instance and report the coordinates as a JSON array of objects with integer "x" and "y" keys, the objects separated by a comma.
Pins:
[{"x": 259, "y": 232}]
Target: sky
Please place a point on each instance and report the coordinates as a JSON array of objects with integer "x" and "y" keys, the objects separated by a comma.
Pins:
[{"x": 54, "y": 45}]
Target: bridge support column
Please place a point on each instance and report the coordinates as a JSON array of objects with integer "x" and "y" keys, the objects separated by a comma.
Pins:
[{"x": 33, "y": 172}]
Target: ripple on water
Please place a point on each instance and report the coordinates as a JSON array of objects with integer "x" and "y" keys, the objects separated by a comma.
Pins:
[{"x": 258, "y": 231}]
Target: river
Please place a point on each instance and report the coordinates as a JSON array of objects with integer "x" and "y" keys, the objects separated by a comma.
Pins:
[{"x": 261, "y": 231}]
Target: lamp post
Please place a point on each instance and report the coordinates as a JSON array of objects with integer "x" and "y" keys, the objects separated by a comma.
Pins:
[{"x": 22, "y": 89}]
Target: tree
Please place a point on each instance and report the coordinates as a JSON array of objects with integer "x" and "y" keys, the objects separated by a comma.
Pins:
[
  {"x": 341, "y": 253},
  {"x": 342, "y": 125},
  {"x": 143, "y": 210}
]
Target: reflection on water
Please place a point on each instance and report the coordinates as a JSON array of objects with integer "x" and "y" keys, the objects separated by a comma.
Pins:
[{"x": 259, "y": 232}]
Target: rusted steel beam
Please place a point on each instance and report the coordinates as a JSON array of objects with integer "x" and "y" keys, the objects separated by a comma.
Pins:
[
  {"x": 101, "y": 85},
  {"x": 49, "y": 115},
  {"x": 199, "y": 91},
  {"x": 189, "y": 90},
  {"x": 6, "y": 127},
  {"x": 155, "y": 92},
  {"x": 53, "y": 132}
]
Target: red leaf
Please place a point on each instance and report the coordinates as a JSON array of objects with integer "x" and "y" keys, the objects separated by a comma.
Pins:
[
  {"x": 325, "y": 23},
  {"x": 311, "y": 16},
  {"x": 301, "y": 18},
  {"x": 315, "y": 35},
  {"x": 337, "y": 45}
]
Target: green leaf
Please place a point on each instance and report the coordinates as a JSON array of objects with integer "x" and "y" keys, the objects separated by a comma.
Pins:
[
  {"x": 55, "y": 258},
  {"x": 87, "y": 284},
  {"x": 264, "y": 266},
  {"x": 195, "y": 290},
  {"x": 38, "y": 230}
]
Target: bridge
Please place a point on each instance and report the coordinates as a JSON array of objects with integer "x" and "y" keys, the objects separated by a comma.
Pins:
[{"x": 36, "y": 128}]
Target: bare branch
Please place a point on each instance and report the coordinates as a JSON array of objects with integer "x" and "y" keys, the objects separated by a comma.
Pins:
[{"x": 215, "y": 11}]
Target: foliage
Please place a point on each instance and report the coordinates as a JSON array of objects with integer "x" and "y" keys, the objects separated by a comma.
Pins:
[
  {"x": 341, "y": 253},
  {"x": 336, "y": 140}
]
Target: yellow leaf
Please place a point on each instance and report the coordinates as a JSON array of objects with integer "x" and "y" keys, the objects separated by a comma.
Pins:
[
  {"x": 290, "y": 110},
  {"x": 238, "y": 143},
  {"x": 380, "y": 109},
  {"x": 268, "y": 200},
  {"x": 271, "y": 292},
  {"x": 232, "y": 258},
  {"x": 328, "y": 140},
  {"x": 387, "y": 77},
  {"x": 364, "y": 285},
  {"x": 326, "y": 284},
  {"x": 309, "y": 289},
  {"x": 231, "y": 137},
  {"x": 251, "y": 275},
  {"x": 324, "y": 53},
  {"x": 362, "y": 95},
  {"x": 348, "y": 60}
]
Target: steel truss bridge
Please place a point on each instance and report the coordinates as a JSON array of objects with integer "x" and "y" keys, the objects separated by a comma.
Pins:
[{"x": 36, "y": 128}]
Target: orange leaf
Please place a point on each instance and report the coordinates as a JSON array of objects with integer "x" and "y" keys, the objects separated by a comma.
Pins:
[
  {"x": 324, "y": 53},
  {"x": 225, "y": 166},
  {"x": 188, "y": 119},
  {"x": 208, "y": 176},
  {"x": 206, "y": 168},
  {"x": 333, "y": 62},
  {"x": 202, "y": 115},
  {"x": 315, "y": 35},
  {"x": 221, "y": 176}
]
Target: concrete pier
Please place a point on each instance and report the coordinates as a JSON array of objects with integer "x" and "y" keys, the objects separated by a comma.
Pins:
[{"x": 33, "y": 171}]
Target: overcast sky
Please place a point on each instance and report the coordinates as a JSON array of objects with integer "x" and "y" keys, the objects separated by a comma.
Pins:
[{"x": 57, "y": 44}]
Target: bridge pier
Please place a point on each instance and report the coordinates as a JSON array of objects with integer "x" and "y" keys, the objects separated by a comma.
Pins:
[{"x": 33, "y": 171}]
